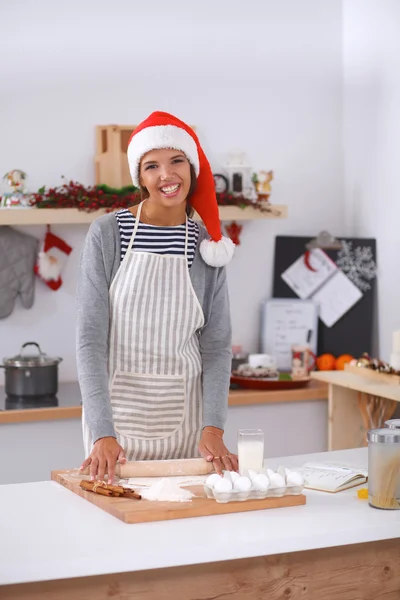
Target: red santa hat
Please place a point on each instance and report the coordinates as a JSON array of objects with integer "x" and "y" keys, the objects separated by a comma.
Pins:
[{"x": 162, "y": 130}]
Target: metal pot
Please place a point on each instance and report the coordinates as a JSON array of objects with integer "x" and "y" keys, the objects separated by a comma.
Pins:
[{"x": 31, "y": 375}]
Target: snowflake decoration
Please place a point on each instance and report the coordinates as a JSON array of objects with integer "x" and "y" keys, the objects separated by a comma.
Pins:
[{"x": 358, "y": 264}]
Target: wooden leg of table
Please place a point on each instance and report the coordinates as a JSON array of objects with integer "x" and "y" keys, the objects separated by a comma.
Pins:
[
  {"x": 345, "y": 424},
  {"x": 363, "y": 572}
]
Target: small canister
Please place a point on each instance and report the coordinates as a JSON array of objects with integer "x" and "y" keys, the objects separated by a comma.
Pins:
[
  {"x": 384, "y": 468},
  {"x": 393, "y": 423}
]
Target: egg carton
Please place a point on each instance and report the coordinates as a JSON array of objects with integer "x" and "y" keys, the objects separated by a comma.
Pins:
[{"x": 252, "y": 494}]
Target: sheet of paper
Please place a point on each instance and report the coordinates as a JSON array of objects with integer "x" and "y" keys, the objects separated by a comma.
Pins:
[
  {"x": 336, "y": 297},
  {"x": 303, "y": 281}
]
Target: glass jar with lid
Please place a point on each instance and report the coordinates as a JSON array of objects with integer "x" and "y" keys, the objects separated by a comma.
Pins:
[
  {"x": 384, "y": 468},
  {"x": 393, "y": 423}
]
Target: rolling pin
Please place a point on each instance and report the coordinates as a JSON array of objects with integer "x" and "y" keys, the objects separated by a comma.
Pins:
[{"x": 161, "y": 468}]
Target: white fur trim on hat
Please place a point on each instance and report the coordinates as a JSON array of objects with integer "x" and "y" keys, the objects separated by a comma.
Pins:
[
  {"x": 217, "y": 254},
  {"x": 156, "y": 137}
]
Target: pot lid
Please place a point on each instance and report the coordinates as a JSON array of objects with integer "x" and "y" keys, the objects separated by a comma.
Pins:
[{"x": 37, "y": 359}]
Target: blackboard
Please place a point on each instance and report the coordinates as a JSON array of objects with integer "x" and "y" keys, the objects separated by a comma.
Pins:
[{"x": 354, "y": 332}]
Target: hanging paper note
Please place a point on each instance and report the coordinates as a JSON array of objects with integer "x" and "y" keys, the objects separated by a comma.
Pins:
[
  {"x": 316, "y": 277},
  {"x": 306, "y": 277},
  {"x": 336, "y": 297}
]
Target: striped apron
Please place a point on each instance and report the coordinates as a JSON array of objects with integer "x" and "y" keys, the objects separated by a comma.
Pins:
[{"x": 154, "y": 365}]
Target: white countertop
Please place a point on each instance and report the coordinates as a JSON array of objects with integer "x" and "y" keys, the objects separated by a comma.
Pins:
[{"x": 48, "y": 532}]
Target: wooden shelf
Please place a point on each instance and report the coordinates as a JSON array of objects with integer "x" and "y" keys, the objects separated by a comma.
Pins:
[
  {"x": 73, "y": 216},
  {"x": 358, "y": 383}
]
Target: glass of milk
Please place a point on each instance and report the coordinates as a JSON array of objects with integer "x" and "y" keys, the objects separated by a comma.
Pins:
[{"x": 250, "y": 450}]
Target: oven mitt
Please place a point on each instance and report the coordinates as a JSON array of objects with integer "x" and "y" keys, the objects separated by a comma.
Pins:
[{"x": 18, "y": 253}]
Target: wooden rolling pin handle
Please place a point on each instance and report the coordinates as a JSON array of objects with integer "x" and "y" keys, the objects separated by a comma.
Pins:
[
  {"x": 86, "y": 470},
  {"x": 161, "y": 468}
]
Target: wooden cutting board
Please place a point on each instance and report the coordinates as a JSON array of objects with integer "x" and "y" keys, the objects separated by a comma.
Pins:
[{"x": 145, "y": 511}]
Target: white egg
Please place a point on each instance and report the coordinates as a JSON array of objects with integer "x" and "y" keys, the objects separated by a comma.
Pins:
[
  {"x": 234, "y": 476},
  {"x": 242, "y": 484},
  {"x": 294, "y": 478},
  {"x": 282, "y": 472},
  {"x": 251, "y": 474},
  {"x": 223, "y": 485},
  {"x": 270, "y": 472},
  {"x": 260, "y": 482},
  {"x": 276, "y": 481},
  {"x": 212, "y": 479},
  {"x": 227, "y": 475}
]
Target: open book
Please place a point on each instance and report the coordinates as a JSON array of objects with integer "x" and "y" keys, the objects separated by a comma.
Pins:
[{"x": 332, "y": 478}]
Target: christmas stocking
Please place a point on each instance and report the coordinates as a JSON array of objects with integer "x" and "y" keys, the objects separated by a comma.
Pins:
[{"x": 51, "y": 260}]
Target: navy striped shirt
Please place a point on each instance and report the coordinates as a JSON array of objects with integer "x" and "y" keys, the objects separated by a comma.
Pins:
[{"x": 156, "y": 239}]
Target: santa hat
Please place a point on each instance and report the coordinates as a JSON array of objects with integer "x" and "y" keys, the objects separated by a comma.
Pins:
[{"x": 162, "y": 130}]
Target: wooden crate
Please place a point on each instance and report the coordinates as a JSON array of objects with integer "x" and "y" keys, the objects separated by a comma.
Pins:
[{"x": 111, "y": 162}]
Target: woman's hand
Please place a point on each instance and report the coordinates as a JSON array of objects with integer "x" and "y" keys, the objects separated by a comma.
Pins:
[
  {"x": 213, "y": 449},
  {"x": 103, "y": 458}
]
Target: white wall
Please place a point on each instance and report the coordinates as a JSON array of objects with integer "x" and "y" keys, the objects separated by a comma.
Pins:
[
  {"x": 262, "y": 76},
  {"x": 372, "y": 144}
]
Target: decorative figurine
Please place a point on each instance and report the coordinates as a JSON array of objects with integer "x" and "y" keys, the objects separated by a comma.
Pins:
[
  {"x": 262, "y": 181},
  {"x": 17, "y": 198}
]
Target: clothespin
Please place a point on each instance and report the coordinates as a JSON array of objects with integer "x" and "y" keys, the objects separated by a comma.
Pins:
[{"x": 324, "y": 241}]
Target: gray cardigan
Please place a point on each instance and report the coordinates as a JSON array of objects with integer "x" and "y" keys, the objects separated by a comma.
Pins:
[{"x": 99, "y": 263}]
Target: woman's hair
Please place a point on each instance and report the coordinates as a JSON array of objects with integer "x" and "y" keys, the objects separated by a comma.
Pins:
[{"x": 144, "y": 194}]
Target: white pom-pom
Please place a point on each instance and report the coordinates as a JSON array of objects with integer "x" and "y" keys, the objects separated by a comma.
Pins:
[
  {"x": 217, "y": 254},
  {"x": 48, "y": 266}
]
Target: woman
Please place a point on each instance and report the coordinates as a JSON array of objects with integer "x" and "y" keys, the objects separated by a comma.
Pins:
[{"x": 153, "y": 322}]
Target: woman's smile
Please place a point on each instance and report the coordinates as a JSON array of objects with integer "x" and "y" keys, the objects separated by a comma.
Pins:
[{"x": 171, "y": 190}]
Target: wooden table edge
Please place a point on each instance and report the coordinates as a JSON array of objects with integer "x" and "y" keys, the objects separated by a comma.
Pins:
[
  {"x": 29, "y": 415},
  {"x": 369, "y": 569},
  {"x": 315, "y": 390}
]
